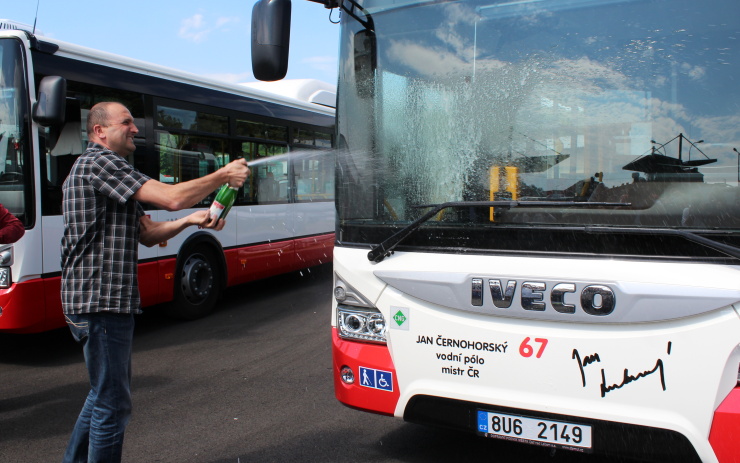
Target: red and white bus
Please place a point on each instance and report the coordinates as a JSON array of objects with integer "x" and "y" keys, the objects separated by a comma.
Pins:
[
  {"x": 538, "y": 220},
  {"x": 189, "y": 126}
]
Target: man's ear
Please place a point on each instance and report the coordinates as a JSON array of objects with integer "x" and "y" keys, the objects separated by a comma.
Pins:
[{"x": 99, "y": 132}]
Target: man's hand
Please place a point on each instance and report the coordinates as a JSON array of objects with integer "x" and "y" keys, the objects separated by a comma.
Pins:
[
  {"x": 152, "y": 232},
  {"x": 237, "y": 172},
  {"x": 203, "y": 220}
]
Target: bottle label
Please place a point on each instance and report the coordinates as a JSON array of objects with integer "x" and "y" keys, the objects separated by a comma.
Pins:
[{"x": 215, "y": 210}]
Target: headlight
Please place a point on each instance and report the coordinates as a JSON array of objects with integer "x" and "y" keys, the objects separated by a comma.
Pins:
[
  {"x": 361, "y": 324},
  {"x": 357, "y": 317}
]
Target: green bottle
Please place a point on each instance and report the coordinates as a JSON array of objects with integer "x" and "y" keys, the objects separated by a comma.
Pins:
[{"x": 223, "y": 202}]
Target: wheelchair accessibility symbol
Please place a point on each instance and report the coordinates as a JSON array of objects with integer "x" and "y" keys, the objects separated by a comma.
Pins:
[{"x": 376, "y": 379}]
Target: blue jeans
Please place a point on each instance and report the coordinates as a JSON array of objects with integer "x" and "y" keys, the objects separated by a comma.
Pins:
[{"x": 106, "y": 340}]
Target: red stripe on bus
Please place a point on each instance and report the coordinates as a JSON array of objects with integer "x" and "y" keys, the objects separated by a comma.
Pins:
[
  {"x": 270, "y": 259},
  {"x": 314, "y": 250},
  {"x": 31, "y": 307},
  {"x": 357, "y": 354},
  {"x": 34, "y": 306}
]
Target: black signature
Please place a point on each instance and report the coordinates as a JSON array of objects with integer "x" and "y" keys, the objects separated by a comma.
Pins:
[{"x": 627, "y": 378}]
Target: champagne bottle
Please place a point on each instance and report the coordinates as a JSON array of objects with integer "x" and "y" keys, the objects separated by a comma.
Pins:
[{"x": 223, "y": 202}]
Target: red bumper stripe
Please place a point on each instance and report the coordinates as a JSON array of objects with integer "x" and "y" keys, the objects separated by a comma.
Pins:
[{"x": 356, "y": 355}]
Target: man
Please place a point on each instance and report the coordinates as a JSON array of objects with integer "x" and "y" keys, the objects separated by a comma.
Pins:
[{"x": 103, "y": 224}]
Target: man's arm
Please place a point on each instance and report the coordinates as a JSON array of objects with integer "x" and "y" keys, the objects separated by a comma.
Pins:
[
  {"x": 152, "y": 232},
  {"x": 186, "y": 194}
]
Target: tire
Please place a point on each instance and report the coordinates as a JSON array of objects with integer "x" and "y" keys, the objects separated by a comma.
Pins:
[{"x": 198, "y": 284}]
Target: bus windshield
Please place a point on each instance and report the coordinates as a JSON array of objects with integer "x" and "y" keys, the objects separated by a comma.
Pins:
[
  {"x": 13, "y": 128},
  {"x": 616, "y": 112}
]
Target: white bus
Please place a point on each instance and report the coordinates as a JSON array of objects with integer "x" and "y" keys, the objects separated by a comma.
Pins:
[
  {"x": 538, "y": 220},
  {"x": 189, "y": 126}
]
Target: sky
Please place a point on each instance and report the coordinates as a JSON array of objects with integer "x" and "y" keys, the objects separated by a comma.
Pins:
[{"x": 208, "y": 38}]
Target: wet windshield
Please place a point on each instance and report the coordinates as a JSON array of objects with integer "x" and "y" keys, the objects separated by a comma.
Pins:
[
  {"x": 627, "y": 102},
  {"x": 13, "y": 123}
]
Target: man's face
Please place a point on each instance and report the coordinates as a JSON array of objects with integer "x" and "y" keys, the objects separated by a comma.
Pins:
[{"x": 118, "y": 135}]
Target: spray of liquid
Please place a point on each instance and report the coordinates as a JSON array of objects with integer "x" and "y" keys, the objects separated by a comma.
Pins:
[{"x": 294, "y": 155}]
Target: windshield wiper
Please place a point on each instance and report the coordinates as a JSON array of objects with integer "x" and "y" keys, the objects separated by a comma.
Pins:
[
  {"x": 730, "y": 250},
  {"x": 385, "y": 249}
]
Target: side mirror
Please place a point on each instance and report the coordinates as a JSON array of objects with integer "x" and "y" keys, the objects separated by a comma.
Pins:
[
  {"x": 365, "y": 56},
  {"x": 50, "y": 107},
  {"x": 270, "y": 39}
]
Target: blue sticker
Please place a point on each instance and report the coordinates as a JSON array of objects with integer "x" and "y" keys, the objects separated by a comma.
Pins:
[
  {"x": 376, "y": 379},
  {"x": 482, "y": 421}
]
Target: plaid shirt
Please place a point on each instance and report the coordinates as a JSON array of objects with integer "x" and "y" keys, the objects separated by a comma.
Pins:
[{"x": 101, "y": 234}]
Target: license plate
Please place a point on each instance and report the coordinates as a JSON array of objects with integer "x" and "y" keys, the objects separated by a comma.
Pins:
[{"x": 534, "y": 430}]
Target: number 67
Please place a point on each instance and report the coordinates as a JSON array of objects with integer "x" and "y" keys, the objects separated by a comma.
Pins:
[{"x": 526, "y": 350}]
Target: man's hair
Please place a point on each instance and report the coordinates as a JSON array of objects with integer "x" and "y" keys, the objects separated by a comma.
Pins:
[{"x": 98, "y": 115}]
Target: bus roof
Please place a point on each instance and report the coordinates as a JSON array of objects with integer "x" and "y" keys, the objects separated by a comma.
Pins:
[
  {"x": 310, "y": 90},
  {"x": 300, "y": 95}
]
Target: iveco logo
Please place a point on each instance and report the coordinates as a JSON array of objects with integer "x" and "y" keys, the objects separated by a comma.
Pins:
[{"x": 534, "y": 295}]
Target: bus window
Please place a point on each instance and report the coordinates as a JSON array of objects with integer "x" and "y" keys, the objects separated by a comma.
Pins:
[
  {"x": 184, "y": 157},
  {"x": 314, "y": 177},
  {"x": 88, "y": 95},
  {"x": 13, "y": 145},
  {"x": 323, "y": 140},
  {"x": 272, "y": 182},
  {"x": 63, "y": 148},
  {"x": 261, "y": 130},
  {"x": 312, "y": 138},
  {"x": 269, "y": 178},
  {"x": 186, "y": 119},
  {"x": 254, "y": 150},
  {"x": 304, "y": 137}
]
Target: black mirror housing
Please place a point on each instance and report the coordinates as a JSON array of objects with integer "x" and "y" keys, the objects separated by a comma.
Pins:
[
  {"x": 270, "y": 39},
  {"x": 50, "y": 106}
]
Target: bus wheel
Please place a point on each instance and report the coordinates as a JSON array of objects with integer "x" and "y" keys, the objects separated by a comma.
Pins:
[{"x": 197, "y": 285}]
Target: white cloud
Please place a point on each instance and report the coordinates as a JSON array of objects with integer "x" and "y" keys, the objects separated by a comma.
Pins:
[
  {"x": 694, "y": 72},
  {"x": 427, "y": 61},
  {"x": 197, "y": 29},
  {"x": 193, "y": 29}
]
